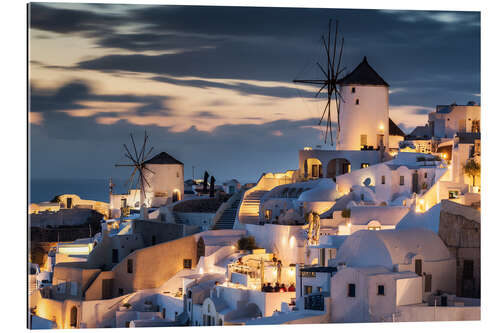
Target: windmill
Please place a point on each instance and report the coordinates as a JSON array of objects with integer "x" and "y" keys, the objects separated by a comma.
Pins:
[
  {"x": 330, "y": 80},
  {"x": 138, "y": 176}
]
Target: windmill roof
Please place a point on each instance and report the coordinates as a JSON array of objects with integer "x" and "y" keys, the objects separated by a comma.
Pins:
[
  {"x": 364, "y": 74},
  {"x": 394, "y": 129},
  {"x": 163, "y": 158}
]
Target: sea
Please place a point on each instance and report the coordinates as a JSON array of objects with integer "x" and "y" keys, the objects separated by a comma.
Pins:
[{"x": 91, "y": 189}]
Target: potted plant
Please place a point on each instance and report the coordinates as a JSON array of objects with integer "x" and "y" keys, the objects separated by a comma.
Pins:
[{"x": 125, "y": 307}]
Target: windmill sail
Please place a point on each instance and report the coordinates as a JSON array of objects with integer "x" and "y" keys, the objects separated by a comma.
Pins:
[
  {"x": 331, "y": 72},
  {"x": 137, "y": 159}
]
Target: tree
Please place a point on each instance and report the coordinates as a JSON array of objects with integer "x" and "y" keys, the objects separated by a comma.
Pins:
[
  {"x": 205, "y": 183},
  {"x": 212, "y": 187},
  {"x": 472, "y": 169}
]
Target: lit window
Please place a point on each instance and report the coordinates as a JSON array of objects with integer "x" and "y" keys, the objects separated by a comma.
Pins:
[
  {"x": 364, "y": 165},
  {"x": 363, "y": 140}
]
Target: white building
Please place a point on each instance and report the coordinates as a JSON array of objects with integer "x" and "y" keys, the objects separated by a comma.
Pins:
[
  {"x": 364, "y": 109},
  {"x": 381, "y": 270},
  {"x": 448, "y": 120},
  {"x": 164, "y": 185},
  {"x": 407, "y": 173}
]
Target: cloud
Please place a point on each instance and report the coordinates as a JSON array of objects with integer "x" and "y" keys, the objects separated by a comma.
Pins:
[
  {"x": 78, "y": 98},
  {"x": 272, "y": 90}
]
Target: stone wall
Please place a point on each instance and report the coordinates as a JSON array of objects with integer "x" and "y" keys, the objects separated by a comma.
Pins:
[{"x": 460, "y": 230}]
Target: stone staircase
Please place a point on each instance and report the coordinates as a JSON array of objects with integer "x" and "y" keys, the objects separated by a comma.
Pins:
[
  {"x": 226, "y": 221},
  {"x": 249, "y": 210}
]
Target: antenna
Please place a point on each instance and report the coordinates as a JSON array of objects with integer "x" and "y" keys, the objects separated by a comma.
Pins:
[{"x": 330, "y": 79}]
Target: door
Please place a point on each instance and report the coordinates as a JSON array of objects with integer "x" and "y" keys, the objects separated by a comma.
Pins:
[
  {"x": 69, "y": 202},
  {"x": 380, "y": 140},
  {"x": 107, "y": 288},
  {"x": 73, "y": 317},
  {"x": 414, "y": 182}
]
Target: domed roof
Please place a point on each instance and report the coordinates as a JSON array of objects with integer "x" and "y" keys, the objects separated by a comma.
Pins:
[
  {"x": 387, "y": 248},
  {"x": 325, "y": 190}
]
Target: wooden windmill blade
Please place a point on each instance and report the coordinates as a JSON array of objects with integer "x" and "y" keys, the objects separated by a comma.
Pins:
[
  {"x": 136, "y": 159},
  {"x": 330, "y": 79}
]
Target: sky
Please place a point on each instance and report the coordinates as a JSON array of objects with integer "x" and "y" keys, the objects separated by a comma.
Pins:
[{"x": 213, "y": 85}]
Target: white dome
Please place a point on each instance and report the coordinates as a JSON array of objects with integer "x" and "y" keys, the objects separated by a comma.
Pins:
[
  {"x": 323, "y": 191},
  {"x": 387, "y": 248}
]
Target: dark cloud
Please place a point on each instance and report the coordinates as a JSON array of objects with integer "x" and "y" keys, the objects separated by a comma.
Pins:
[
  {"x": 240, "y": 87},
  {"x": 207, "y": 114},
  {"x": 71, "y": 96},
  {"x": 70, "y": 21}
]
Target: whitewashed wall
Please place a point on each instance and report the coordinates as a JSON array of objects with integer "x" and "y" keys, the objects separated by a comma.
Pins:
[{"x": 370, "y": 117}]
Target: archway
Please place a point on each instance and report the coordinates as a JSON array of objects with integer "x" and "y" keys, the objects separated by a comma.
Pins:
[
  {"x": 338, "y": 166},
  {"x": 73, "y": 317},
  {"x": 176, "y": 196},
  {"x": 313, "y": 168}
]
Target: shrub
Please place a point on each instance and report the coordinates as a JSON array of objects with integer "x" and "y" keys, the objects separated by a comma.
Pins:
[
  {"x": 247, "y": 243},
  {"x": 346, "y": 213}
]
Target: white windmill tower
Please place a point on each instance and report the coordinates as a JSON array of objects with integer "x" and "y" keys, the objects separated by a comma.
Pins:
[{"x": 138, "y": 176}]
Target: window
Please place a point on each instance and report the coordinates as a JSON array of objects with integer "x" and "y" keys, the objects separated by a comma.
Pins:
[
  {"x": 425, "y": 175},
  {"x": 269, "y": 214},
  {"x": 114, "y": 256},
  {"x": 452, "y": 194},
  {"x": 363, "y": 140},
  {"x": 357, "y": 101},
  {"x": 401, "y": 180},
  {"x": 307, "y": 290},
  {"x": 383, "y": 180},
  {"x": 364, "y": 165},
  {"x": 418, "y": 266},
  {"x": 130, "y": 266},
  {"x": 475, "y": 126},
  {"x": 428, "y": 283},
  {"x": 120, "y": 291},
  {"x": 353, "y": 90},
  {"x": 381, "y": 290},
  {"x": 351, "y": 290},
  {"x": 127, "y": 324},
  {"x": 188, "y": 264}
]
